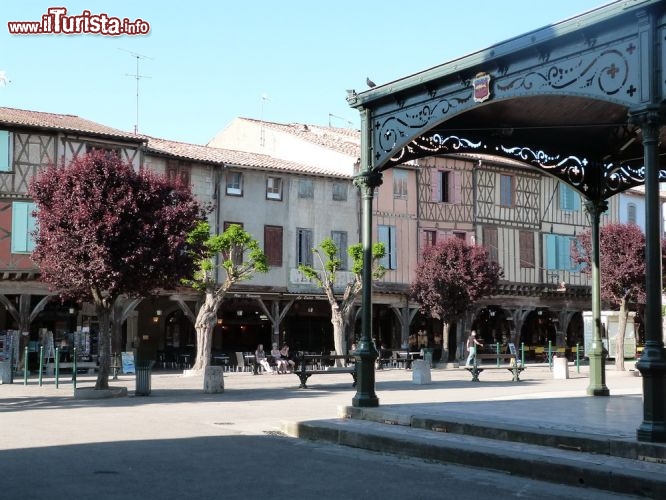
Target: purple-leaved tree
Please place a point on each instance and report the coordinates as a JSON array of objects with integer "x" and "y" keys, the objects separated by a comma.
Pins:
[
  {"x": 622, "y": 271},
  {"x": 451, "y": 276},
  {"x": 105, "y": 231}
]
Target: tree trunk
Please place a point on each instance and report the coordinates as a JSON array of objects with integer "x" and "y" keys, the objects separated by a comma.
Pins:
[
  {"x": 204, "y": 326},
  {"x": 338, "y": 332},
  {"x": 621, "y": 332},
  {"x": 445, "y": 343},
  {"x": 117, "y": 327},
  {"x": 103, "y": 346}
]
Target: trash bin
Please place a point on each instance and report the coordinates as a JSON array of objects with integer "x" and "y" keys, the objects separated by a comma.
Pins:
[
  {"x": 143, "y": 371},
  {"x": 427, "y": 355}
]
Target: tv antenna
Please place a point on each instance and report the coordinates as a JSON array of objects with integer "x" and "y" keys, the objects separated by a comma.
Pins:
[
  {"x": 138, "y": 77},
  {"x": 262, "y": 133},
  {"x": 349, "y": 123}
]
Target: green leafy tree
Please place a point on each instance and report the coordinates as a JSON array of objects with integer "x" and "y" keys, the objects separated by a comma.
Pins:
[
  {"x": 239, "y": 256},
  {"x": 106, "y": 231},
  {"x": 328, "y": 256}
]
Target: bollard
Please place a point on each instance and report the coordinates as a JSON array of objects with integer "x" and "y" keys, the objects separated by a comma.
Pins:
[
  {"x": 497, "y": 351},
  {"x": 57, "y": 367},
  {"x": 25, "y": 366},
  {"x": 116, "y": 366},
  {"x": 41, "y": 363},
  {"x": 74, "y": 369},
  {"x": 550, "y": 354},
  {"x": 522, "y": 353},
  {"x": 577, "y": 357}
]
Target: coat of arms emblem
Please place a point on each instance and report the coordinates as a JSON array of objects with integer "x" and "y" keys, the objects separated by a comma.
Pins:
[{"x": 481, "y": 86}]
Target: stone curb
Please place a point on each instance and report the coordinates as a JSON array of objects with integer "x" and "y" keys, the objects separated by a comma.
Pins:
[
  {"x": 567, "y": 467},
  {"x": 555, "y": 438},
  {"x": 91, "y": 393}
]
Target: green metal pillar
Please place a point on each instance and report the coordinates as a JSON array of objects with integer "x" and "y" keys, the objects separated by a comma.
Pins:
[
  {"x": 597, "y": 385},
  {"x": 652, "y": 363},
  {"x": 366, "y": 352}
]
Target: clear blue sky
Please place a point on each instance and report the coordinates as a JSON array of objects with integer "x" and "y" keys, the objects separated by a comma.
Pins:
[{"x": 213, "y": 61}]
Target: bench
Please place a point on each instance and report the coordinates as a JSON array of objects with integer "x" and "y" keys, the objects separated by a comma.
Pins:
[
  {"x": 513, "y": 365},
  {"x": 303, "y": 373},
  {"x": 80, "y": 365}
]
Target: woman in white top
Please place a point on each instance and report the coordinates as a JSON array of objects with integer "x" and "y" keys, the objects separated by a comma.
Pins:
[
  {"x": 260, "y": 357},
  {"x": 280, "y": 364}
]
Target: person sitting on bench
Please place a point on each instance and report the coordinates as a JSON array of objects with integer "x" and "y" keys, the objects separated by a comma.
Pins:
[
  {"x": 291, "y": 364},
  {"x": 280, "y": 364},
  {"x": 260, "y": 358}
]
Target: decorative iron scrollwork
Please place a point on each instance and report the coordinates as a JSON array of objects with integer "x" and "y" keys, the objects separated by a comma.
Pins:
[
  {"x": 607, "y": 71},
  {"x": 393, "y": 129}
]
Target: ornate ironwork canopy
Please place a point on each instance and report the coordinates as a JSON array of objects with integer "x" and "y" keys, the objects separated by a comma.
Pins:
[
  {"x": 582, "y": 100},
  {"x": 569, "y": 99}
]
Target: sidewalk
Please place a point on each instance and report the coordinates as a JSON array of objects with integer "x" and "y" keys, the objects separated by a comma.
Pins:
[{"x": 539, "y": 427}]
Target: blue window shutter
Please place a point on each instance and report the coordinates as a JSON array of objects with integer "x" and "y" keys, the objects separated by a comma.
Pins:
[
  {"x": 5, "y": 157},
  {"x": 20, "y": 216},
  {"x": 32, "y": 226},
  {"x": 383, "y": 237},
  {"x": 551, "y": 251},
  {"x": 563, "y": 197},
  {"x": 394, "y": 248}
]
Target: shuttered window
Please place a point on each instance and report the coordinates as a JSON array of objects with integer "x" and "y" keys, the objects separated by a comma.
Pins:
[
  {"x": 340, "y": 240},
  {"x": 179, "y": 171},
  {"x": 446, "y": 186},
  {"x": 558, "y": 252},
  {"x": 23, "y": 224},
  {"x": 631, "y": 213},
  {"x": 339, "y": 191},
  {"x": 489, "y": 235},
  {"x": 305, "y": 188},
  {"x": 387, "y": 236},
  {"x": 506, "y": 190},
  {"x": 304, "y": 247},
  {"x": 273, "y": 245},
  {"x": 399, "y": 183},
  {"x": 569, "y": 199},
  {"x": 429, "y": 238},
  {"x": 526, "y": 249},
  {"x": 5, "y": 151}
]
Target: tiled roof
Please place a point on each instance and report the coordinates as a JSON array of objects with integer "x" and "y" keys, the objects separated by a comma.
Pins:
[
  {"x": 207, "y": 154},
  {"x": 69, "y": 123},
  {"x": 342, "y": 140}
]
